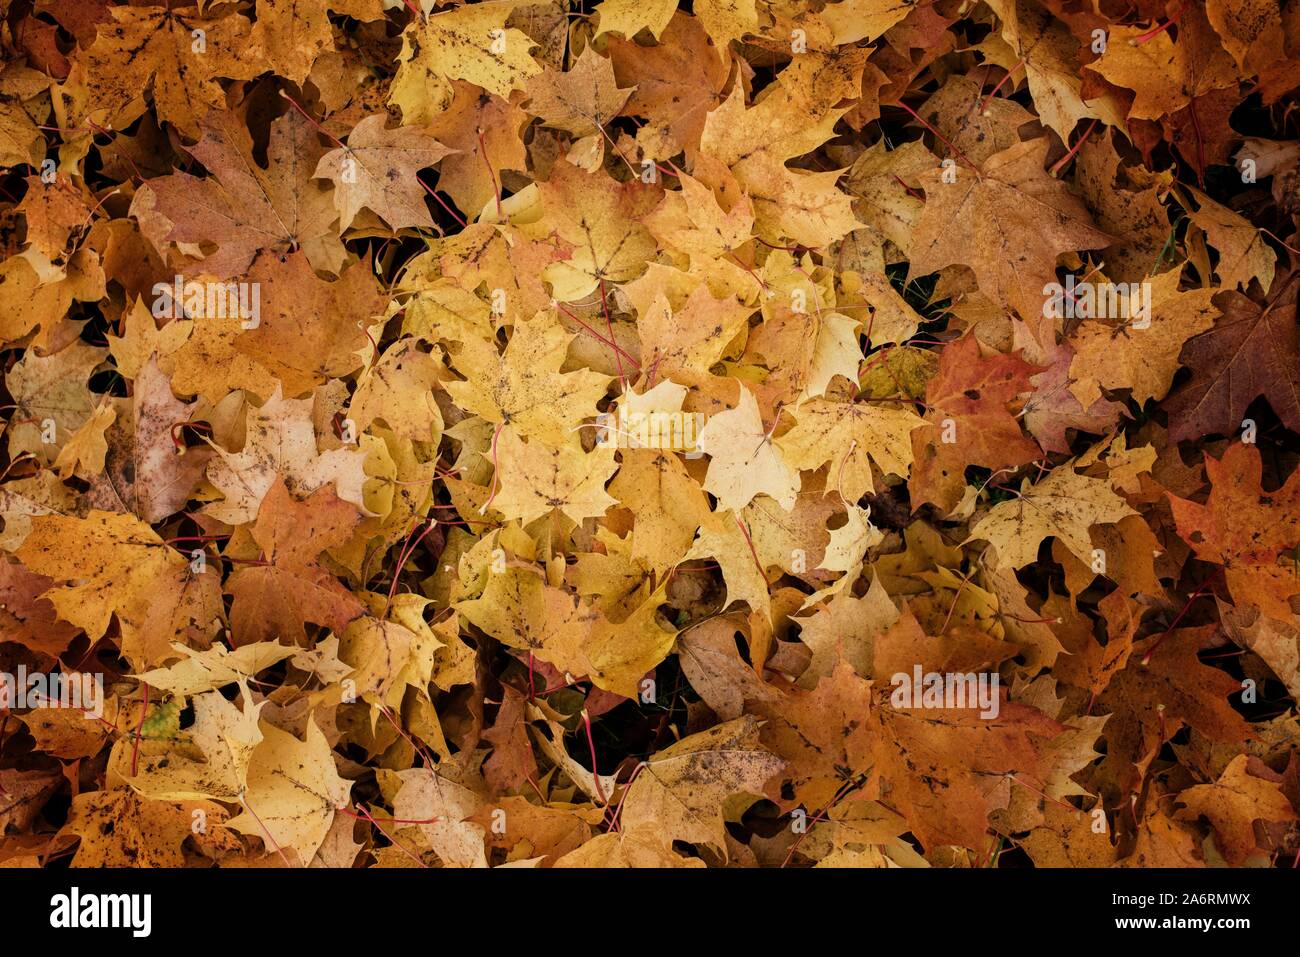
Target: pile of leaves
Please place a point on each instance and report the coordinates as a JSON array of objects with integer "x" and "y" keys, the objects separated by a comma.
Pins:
[{"x": 378, "y": 568}]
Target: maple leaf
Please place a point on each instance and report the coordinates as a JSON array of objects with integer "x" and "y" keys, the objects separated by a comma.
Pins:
[
  {"x": 690, "y": 337},
  {"x": 1126, "y": 199},
  {"x": 886, "y": 204},
  {"x": 667, "y": 504},
  {"x": 519, "y": 609},
  {"x": 309, "y": 330},
  {"x": 860, "y": 834},
  {"x": 846, "y": 627},
  {"x": 677, "y": 81},
  {"x": 293, "y": 791},
  {"x": 142, "y": 470},
  {"x": 960, "y": 648},
  {"x": 1067, "y": 839},
  {"x": 630, "y": 17},
  {"x": 681, "y": 790},
  {"x": 1050, "y": 56},
  {"x": 1163, "y": 842},
  {"x": 448, "y": 807},
  {"x": 121, "y": 567},
  {"x": 548, "y": 832},
  {"x": 275, "y": 599},
  {"x": 20, "y": 139},
  {"x": 849, "y": 437},
  {"x": 470, "y": 43},
  {"x": 1252, "y": 350},
  {"x": 1065, "y": 504},
  {"x": 525, "y": 388},
  {"x": 946, "y": 769},
  {"x": 1163, "y": 687},
  {"x": 72, "y": 734},
  {"x": 756, "y": 142},
  {"x": 383, "y": 651},
  {"x": 743, "y": 459},
  {"x": 693, "y": 219},
  {"x": 153, "y": 49},
  {"x": 213, "y": 668},
  {"x": 512, "y": 763},
  {"x": 822, "y": 734},
  {"x": 33, "y": 303},
  {"x": 1234, "y": 802},
  {"x": 119, "y": 828},
  {"x": 484, "y": 133},
  {"x": 50, "y": 388},
  {"x": 579, "y": 100},
  {"x": 533, "y": 478},
  {"x": 778, "y": 534},
  {"x": 728, "y": 20},
  {"x": 242, "y": 207},
  {"x": 1276, "y": 642},
  {"x": 1250, "y": 31},
  {"x": 292, "y": 34},
  {"x": 83, "y": 453},
  {"x": 398, "y": 389},
  {"x": 976, "y": 127},
  {"x": 972, "y": 393},
  {"x": 1243, "y": 253},
  {"x": 52, "y": 215},
  {"x": 601, "y": 219},
  {"x": 1144, "y": 360},
  {"x": 505, "y": 259},
  {"x": 1008, "y": 220},
  {"x": 633, "y": 847},
  {"x": 223, "y": 739},
  {"x": 1166, "y": 76},
  {"x": 1053, "y": 408},
  {"x": 1091, "y": 664},
  {"x": 712, "y": 663},
  {"x": 379, "y": 169},
  {"x": 27, "y": 617},
  {"x": 280, "y": 441},
  {"x": 723, "y": 538},
  {"x": 949, "y": 769},
  {"x": 24, "y": 794},
  {"x": 1245, "y": 529}
]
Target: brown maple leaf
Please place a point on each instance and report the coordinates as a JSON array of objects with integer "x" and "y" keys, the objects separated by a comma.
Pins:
[{"x": 1253, "y": 350}]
